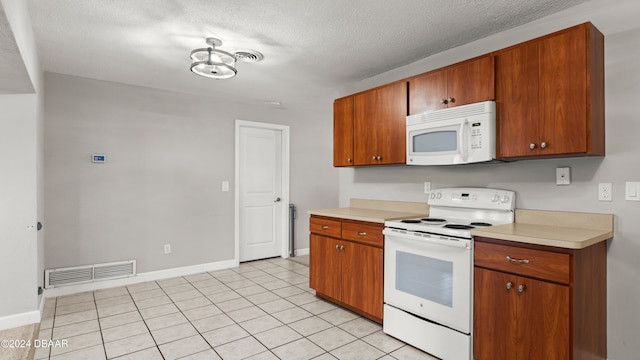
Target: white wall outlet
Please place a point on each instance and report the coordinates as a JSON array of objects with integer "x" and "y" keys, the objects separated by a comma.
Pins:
[
  {"x": 427, "y": 187},
  {"x": 632, "y": 191},
  {"x": 563, "y": 176},
  {"x": 605, "y": 192},
  {"x": 167, "y": 249}
]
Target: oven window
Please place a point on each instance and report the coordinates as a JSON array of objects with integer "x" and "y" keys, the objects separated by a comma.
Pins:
[
  {"x": 425, "y": 277},
  {"x": 435, "y": 141}
]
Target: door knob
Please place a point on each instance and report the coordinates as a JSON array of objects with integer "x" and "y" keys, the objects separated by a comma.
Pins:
[
  {"x": 543, "y": 144},
  {"x": 532, "y": 146},
  {"x": 277, "y": 199}
]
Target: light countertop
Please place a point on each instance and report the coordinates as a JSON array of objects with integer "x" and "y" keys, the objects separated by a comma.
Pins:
[
  {"x": 377, "y": 211},
  {"x": 569, "y": 230},
  {"x": 553, "y": 228}
]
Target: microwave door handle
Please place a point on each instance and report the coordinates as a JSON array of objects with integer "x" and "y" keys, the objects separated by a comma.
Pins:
[{"x": 463, "y": 140}]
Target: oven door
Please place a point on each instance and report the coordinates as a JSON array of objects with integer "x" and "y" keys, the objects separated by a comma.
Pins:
[{"x": 429, "y": 277}]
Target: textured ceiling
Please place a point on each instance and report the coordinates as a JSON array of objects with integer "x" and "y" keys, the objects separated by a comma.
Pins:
[
  {"x": 14, "y": 77},
  {"x": 307, "y": 44}
]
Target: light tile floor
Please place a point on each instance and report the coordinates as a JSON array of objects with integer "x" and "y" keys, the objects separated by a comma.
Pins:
[{"x": 260, "y": 310}]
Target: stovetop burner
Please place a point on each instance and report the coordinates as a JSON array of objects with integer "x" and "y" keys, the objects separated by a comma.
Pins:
[
  {"x": 480, "y": 224},
  {"x": 411, "y": 221},
  {"x": 434, "y": 220},
  {"x": 458, "y": 226}
]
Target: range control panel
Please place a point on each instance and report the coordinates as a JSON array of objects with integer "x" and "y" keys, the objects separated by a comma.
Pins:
[{"x": 478, "y": 198}]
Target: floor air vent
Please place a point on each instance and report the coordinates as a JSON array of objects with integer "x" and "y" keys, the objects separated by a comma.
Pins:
[{"x": 88, "y": 273}]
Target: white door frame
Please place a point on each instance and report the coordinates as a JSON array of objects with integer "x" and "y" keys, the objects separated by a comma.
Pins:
[{"x": 285, "y": 184}]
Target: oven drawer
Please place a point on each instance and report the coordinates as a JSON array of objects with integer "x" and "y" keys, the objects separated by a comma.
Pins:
[
  {"x": 326, "y": 227},
  {"x": 546, "y": 265},
  {"x": 365, "y": 233}
]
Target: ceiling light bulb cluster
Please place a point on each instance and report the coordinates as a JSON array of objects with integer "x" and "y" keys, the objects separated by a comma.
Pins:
[
  {"x": 213, "y": 63},
  {"x": 218, "y": 64}
]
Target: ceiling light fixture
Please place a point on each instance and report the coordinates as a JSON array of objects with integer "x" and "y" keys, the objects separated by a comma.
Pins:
[{"x": 218, "y": 64}]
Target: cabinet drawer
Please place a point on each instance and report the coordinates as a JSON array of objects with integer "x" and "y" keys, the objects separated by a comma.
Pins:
[
  {"x": 546, "y": 265},
  {"x": 365, "y": 233},
  {"x": 325, "y": 227}
]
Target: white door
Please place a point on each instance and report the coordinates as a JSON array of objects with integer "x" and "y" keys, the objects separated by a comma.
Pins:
[{"x": 262, "y": 198}]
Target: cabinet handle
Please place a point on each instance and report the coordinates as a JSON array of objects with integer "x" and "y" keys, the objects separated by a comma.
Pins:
[
  {"x": 373, "y": 158},
  {"x": 517, "y": 261},
  {"x": 342, "y": 248},
  {"x": 363, "y": 233},
  {"x": 337, "y": 247},
  {"x": 451, "y": 100},
  {"x": 509, "y": 285},
  {"x": 348, "y": 159},
  {"x": 378, "y": 157},
  {"x": 443, "y": 101},
  {"x": 520, "y": 288},
  {"x": 543, "y": 145},
  {"x": 325, "y": 227},
  {"x": 532, "y": 146}
]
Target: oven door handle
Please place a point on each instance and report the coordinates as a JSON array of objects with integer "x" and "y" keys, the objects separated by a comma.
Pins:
[
  {"x": 445, "y": 241},
  {"x": 417, "y": 236}
]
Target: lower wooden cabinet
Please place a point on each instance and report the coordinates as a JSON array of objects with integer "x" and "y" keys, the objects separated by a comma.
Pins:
[
  {"x": 347, "y": 272},
  {"x": 533, "y": 302},
  {"x": 525, "y": 318}
]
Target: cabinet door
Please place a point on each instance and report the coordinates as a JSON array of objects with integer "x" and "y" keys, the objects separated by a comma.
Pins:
[
  {"x": 343, "y": 132},
  {"x": 543, "y": 320},
  {"x": 517, "y": 101},
  {"x": 427, "y": 92},
  {"x": 471, "y": 82},
  {"x": 563, "y": 94},
  {"x": 324, "y": 266},
  {"x": 392, "y": 123},
  {"x": 494, "y": 316},
  {"x": 365, "y": 136},
  {"x": 362, "y": 277}
]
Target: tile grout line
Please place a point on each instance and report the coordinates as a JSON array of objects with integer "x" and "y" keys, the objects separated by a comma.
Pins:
[
  {"x": 104, "y": 344},
  {"x": 144, "y": 322}
]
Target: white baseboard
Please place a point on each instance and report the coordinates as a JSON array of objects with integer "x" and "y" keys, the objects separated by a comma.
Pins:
[
  {"x": 17, "y": 320},
  {"x": 301, "y": 252},
  {"x": 140, "y": 277}
]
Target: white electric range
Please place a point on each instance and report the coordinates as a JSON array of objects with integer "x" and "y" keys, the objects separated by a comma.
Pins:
[{"x": 428, "y": 269}]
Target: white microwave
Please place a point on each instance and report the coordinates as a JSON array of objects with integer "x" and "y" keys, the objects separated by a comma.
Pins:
[{"x": 459, "y": 135}]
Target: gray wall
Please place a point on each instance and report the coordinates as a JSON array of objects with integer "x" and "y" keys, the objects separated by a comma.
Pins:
[
  {"x": 534, "y": 180},
  {"x": 167, "y": 154}
]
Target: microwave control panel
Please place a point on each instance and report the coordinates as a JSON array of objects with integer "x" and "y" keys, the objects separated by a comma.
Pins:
[{"x": 476, "y": 135}]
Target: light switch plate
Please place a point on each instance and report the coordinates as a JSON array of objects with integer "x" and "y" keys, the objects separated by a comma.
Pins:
[
  {"x": 225, "y": 186},
  {"x": 427, "y": 187},
  {"x": 632, "y": 191}
]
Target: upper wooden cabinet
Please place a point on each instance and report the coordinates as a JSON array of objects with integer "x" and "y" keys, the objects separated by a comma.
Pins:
[
  {"x": 380, "y": 125},
  {"x": 464, "y": 83},
  {"x": 343, "y": 131},
  {"x": 369, "y": 127},
  {"x": 550, "y": 95}
]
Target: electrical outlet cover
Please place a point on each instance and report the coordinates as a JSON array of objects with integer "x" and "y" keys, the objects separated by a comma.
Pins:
[
  {"x": 563, "y": 176},
  {"x": 605, "y": 192}
]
